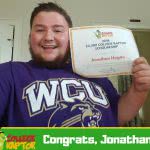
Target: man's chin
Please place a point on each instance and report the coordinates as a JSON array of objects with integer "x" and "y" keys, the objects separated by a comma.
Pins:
[{"x": 50, "y": 63}]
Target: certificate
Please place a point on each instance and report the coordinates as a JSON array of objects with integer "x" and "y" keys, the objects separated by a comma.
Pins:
[{"x": 99, "y": 51}]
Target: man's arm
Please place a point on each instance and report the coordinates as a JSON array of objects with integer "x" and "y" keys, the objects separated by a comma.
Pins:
[{"x": 130, "y": 103}]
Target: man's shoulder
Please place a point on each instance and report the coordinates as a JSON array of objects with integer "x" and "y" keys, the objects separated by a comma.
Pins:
[{"x": 8, "y": 66}]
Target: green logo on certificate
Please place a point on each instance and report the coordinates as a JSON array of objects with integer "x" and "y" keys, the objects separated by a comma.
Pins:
[{"x": 98, "y": 34}]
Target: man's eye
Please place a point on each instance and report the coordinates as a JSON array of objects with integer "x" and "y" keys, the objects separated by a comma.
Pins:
[
  {"x": 39, "y": 30},
  {"x": 58, "y": 31}
]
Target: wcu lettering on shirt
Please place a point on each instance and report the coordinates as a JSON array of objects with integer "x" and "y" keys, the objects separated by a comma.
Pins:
[{"x": 41, "y": 94}]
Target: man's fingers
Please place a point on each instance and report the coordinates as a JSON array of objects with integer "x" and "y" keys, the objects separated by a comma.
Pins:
[
  {"x": 140, "y": 60},
  {"x": 142, "y": 80},
  {"x": 141, "y": 73},
  {"x": 141, "y": 67}
]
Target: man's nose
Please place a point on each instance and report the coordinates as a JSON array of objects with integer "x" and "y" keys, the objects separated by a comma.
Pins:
[{"x": 49, "y": 35}]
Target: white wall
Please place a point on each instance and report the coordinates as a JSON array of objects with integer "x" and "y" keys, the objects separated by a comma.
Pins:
[
  {"x": 13, "y": 12},
  {"x": 83, "y": 12}
]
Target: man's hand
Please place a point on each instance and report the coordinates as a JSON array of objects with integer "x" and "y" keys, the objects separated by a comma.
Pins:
[
  {"x": 141, "y": 75},
  {"x": 134, "y": 98}
]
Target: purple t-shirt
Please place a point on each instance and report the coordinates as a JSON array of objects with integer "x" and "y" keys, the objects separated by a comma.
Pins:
[{"x": 31, "y": 95}]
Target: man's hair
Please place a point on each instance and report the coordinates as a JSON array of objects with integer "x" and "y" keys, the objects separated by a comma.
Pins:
[{"x": 50, "y": 7}]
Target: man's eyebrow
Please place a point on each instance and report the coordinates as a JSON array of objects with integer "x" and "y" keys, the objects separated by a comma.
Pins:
[
  {"x": 38, "y": 25},
  {"x": 54, "y": 26},
  {"x": 57, "y": 25}
]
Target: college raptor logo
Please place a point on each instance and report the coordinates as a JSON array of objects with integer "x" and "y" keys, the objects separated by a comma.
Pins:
[{"x": 77, "y": 113}]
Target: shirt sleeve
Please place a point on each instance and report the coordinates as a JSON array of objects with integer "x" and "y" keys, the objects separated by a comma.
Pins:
[{"x": 5, "y": 90}]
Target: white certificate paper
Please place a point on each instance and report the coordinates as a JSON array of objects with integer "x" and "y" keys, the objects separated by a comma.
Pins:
[{"x": 99, "y": 51}]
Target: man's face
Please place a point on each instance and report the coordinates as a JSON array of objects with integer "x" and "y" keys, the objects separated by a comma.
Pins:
[{"x": 49, "y": 39}]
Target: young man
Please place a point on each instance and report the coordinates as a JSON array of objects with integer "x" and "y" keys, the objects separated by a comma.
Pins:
[{"x": 45, "y": 91}]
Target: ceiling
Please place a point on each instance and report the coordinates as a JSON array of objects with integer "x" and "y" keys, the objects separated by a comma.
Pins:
[{"x": 88, "y": 12}]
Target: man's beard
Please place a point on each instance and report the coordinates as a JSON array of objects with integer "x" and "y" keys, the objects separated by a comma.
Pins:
[{"x": 58, "y": 63}]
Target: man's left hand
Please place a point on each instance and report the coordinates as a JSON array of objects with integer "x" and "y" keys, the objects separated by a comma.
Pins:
[{"x": 141, "y": 75}]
